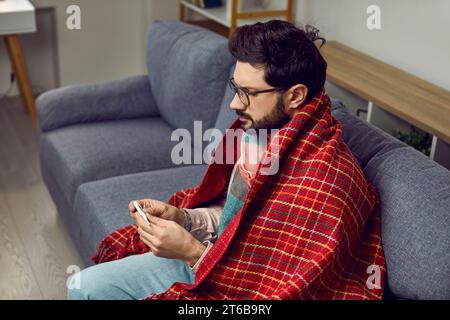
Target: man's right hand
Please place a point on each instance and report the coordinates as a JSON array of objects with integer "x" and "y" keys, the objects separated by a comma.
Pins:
[{"x": 159, "y": 209}]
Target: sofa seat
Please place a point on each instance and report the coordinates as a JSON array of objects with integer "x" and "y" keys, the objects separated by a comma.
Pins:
[
  {"x": 87, "y": 152},
  {"x": 102, "y": 206}
]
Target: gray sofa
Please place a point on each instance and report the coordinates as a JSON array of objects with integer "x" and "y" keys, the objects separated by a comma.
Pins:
[{"x": 107, "y": 143}]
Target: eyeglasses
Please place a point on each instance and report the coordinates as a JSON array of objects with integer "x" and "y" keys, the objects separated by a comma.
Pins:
[{"x": 244, "y": 94}]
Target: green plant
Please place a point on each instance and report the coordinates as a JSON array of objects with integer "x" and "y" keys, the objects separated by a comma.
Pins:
[{"x": 416, "y": 138}]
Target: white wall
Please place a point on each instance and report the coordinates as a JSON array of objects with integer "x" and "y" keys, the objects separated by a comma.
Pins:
[
  {"x": 110, "y": 44},
  {"x": 414, "y": 37},
  {"x": 414, "y": 34},
  {"x": 160, "y": 9}
]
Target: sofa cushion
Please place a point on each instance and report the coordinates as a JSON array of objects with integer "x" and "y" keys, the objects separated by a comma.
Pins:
[
  {"x": 188, "y": 67},
  {"x": 92, "y": 151},
  {"x": 415, "y": 208},
  {"x": 102, "y": 206}
]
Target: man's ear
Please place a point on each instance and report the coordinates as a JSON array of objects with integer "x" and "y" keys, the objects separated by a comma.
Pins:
[{"x": 296, "y": 96}]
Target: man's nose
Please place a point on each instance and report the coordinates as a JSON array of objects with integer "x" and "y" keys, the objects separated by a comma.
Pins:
[{"x": 236, "y": 103}]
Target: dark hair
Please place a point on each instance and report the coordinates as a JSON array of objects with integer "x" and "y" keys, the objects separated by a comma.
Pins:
[{"x": 288, "y": 54}]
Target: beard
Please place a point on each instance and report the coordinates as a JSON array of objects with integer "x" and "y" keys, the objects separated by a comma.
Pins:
[{"x": 276, "y": 119}]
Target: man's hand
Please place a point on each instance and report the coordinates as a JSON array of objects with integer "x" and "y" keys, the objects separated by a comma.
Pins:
[
  {"x": 159, "y": 209},
  {"x": 167, "y": 239}
]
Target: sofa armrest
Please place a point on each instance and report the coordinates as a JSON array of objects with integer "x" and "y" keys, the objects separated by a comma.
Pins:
[{"x": 110, "y": 100}]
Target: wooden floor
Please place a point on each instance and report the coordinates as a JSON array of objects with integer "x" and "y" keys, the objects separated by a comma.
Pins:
[{"x": 35, "y": 249}]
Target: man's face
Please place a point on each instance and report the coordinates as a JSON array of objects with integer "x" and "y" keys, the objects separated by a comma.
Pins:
[{"x": 266, "y": 110}]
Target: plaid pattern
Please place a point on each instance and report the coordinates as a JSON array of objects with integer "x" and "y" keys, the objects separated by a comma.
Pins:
[{"x": 309, "y": 232}]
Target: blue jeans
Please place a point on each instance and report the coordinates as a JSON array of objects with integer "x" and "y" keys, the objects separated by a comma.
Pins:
[{"x": 134, "y": 277}]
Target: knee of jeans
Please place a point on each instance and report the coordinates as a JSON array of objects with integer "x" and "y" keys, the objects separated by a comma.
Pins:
[{"x": 86, "y": 285}]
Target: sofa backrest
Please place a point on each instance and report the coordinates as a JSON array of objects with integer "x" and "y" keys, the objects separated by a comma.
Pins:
[
  {"x": 188, "y": 68},
  {"x": 415, "y": 208}
]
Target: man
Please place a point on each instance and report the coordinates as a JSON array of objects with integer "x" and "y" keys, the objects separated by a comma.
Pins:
[{"x": 311, "y": 230}]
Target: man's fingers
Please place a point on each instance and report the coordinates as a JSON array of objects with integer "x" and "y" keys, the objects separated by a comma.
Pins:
[
  {"x": 150, "y": 240},
  {"x": 144, "y": 203},
  {"x": 131, "y": 207},
  {"x": 147, "y": 239},
  {"x": 142, "y": 223},
  {"x": 156, "y": 221},
  {"x": 154, "y": 207}
]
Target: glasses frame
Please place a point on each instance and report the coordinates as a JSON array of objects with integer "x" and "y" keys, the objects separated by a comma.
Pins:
[{"x": 245, "y": 98}]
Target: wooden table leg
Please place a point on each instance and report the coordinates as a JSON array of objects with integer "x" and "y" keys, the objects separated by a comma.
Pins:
[{"x": 20, "y": 69}]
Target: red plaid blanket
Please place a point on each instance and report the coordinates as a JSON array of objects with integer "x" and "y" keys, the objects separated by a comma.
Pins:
[{"x": 312, "y": 231}]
